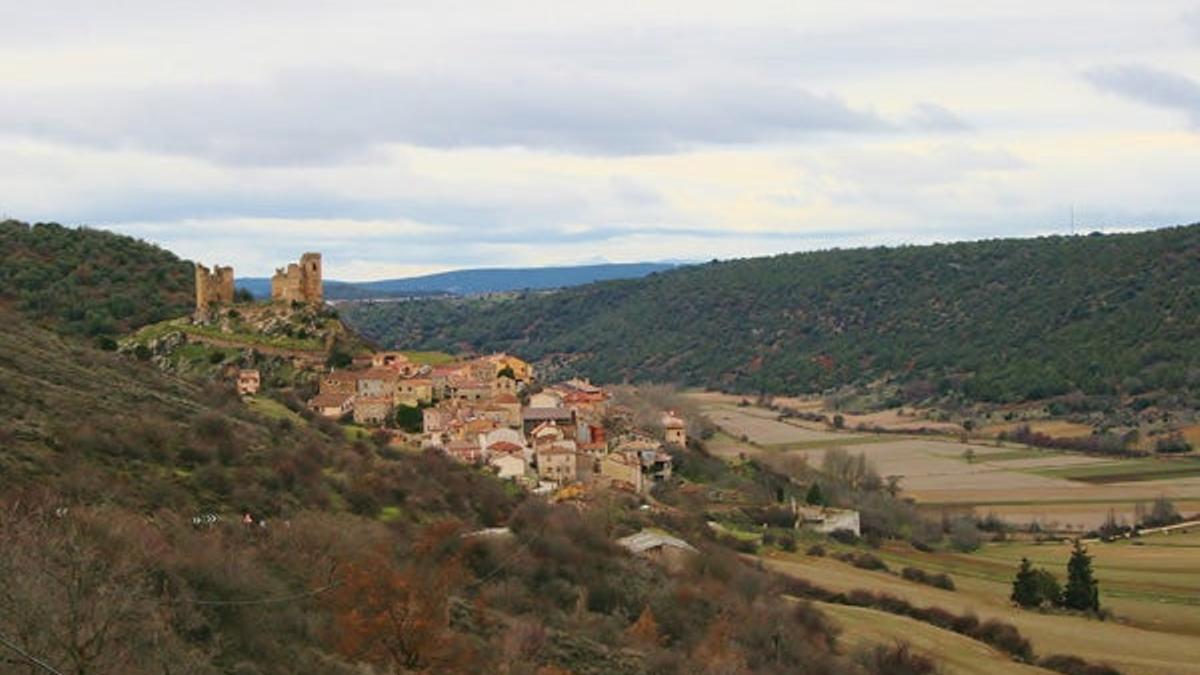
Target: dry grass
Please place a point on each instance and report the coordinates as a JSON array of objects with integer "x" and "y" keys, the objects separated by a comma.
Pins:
[
  {"x": 955, "y": 654},
  {"x": 1142, "y": 647}
]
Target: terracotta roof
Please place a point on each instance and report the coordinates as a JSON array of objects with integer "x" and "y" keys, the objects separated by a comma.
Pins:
[
  {"x": 380, "y": 373},
  {"x": 343, "y": 375},
  {"x": 504, "y": 446},
  {"x": 547, "y": 414},
  {"x": 506, "y": 399},
  {"x": 329, "y": 400}
]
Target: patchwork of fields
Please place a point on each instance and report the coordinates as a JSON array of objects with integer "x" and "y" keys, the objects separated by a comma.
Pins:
[
  {"x": 1151, "y": 585},
  {"x": 1059, "y": 490}
]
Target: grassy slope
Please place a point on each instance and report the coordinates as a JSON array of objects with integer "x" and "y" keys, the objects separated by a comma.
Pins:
[
  {"x": 1022, "y": 318},
  {"x": 954, "y": 653}
]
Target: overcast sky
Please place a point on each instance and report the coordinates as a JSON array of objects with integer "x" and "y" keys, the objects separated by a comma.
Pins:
[{"x": 407, "y": 137}]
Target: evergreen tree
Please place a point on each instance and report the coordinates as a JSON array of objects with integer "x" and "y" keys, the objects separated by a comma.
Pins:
[
  {"x": 1048, "y": 589},
  {"x": 815, "y": 496},
  {"x": 1025, "y": 586},
  {"x": 1083, "y": 591}
]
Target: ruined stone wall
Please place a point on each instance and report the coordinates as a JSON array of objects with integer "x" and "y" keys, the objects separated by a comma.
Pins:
[
  {"x": 213, "y": 287},
  {"x": 299, "y": 282}
]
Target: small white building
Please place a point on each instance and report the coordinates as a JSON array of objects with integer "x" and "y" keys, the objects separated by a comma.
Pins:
[{"x": 825, "y": 519}]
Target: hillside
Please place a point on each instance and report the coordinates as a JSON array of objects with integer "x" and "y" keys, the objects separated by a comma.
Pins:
[
  {"x": 90, "y": 282},
  {"x": 1000, "y": 320},
  {"x": 474, "y": 281},
  {"x": 133, "y": 483}
]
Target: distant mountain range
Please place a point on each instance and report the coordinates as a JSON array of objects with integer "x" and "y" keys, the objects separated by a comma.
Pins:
[{"x": 474, "y": 281}]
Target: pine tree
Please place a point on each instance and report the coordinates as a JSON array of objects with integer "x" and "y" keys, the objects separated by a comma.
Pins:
[
  {"x": 1025, "y": 586},
  {"x": 1083, "y": 591},
  {"x": 815, "y": 496}
]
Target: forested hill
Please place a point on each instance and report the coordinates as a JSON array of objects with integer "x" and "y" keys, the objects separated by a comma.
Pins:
[
  {"x": 996, "y": 320},
  {"x": 90, "y": 282}
]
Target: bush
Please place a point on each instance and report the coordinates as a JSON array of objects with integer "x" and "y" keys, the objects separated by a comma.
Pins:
[
  {"x": 816, "y": 550},
  {"x": 1073, "y": 665},
  {"x": 898, "y": 659},
  {"x": 964, "y": 536},
  {"x": 866, "y": 561},
  {"x": 846, "y": 537},
  {"x": 920, "y": 576}
]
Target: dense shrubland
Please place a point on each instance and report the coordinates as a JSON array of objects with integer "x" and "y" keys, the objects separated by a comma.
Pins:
[
  {"x": 1001, "y": 321},
  {"x": 90, "y": 282}
]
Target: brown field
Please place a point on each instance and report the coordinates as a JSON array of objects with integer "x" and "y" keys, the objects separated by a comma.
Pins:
[
  {"x": 1152, "y": 588},
  {"x": 1056, "y": 428},
  {"x": 1065, "y": 490}
]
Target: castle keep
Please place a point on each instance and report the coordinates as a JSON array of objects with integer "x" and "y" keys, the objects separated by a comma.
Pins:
[
  {"x": 299, "y": 282},
  {"x": 213, "y": 288}
]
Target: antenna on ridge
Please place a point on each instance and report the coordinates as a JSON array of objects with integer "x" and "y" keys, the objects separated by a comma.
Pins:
[{"x": 1072, "y": 220}]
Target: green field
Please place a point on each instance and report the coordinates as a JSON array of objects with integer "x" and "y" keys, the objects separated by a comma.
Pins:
[
  {"x": 429, "y": 358},
  {"x": 1124, "y": 471}
]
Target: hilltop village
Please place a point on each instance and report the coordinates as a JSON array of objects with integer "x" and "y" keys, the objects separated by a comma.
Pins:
[{"x": 483, "y": 410}]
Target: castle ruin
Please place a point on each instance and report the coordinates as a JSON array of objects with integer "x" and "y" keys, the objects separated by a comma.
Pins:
[
  {"x": 213, "y": 287},
  {"x": 299, "y": 282}
]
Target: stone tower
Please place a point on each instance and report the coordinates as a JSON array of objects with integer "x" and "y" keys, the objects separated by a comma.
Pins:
[
  {"x": 213, "y": 287},
  {"x": 299, "y": 282}
]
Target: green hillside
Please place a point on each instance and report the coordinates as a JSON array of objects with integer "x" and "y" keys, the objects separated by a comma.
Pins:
[
  {"x": 122, "y": 494},
  {"x": 90, "y": 282},
  {"x": 1001, "y": 320}
]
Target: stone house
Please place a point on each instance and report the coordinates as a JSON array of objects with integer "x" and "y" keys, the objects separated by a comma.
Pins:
[
  {"x": 372, "y": 410},
  {"x": 414, "y": 392},
  {"x": 622, "y": 470},
  {"x": 674, "y": 430},
  {"x": 556, "y": 462},
  {"x": 546, "y": 399},
  {"x": 332, "y": 405},
  {"x": 339, "y": 382},
  {"x": 378, "y": 382},
  {"x": 563, "y": 418}
]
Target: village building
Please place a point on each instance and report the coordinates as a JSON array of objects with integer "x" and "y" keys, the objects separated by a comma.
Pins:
[
  {"x": 671, "y": 552},
  {"x": 414, "y": 392},
  {"x": 564, "y": 418},
  {"x": 508, "y": 459},
  {"x": 546, "y": 399},
  {"x": 556, "y": 463},
  {"x": 339, "y": 382},
  {"x": 622, "y": 470},
  {"x": 467, "y": 452},
  {"x": 333, "y": 405},
  {"x": 397, "y": 361},
  {"x": 827, "y": 519},
  {"x": 372, "y": 410},
  {"x": 248, "y": 382},
  {"x": 674, "y": 430},
  {"x": 470, "y": 390},
  {"x": 378, "y": 382}
]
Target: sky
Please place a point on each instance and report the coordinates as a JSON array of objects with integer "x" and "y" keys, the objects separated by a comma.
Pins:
[{"x": 401, "y": 138}]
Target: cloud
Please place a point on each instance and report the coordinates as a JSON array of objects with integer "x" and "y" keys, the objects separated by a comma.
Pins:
[
  {"x": 933, "y": 117},
  {"x": 1151, "y": 86},
  {"x": 317, "y": 116}
]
